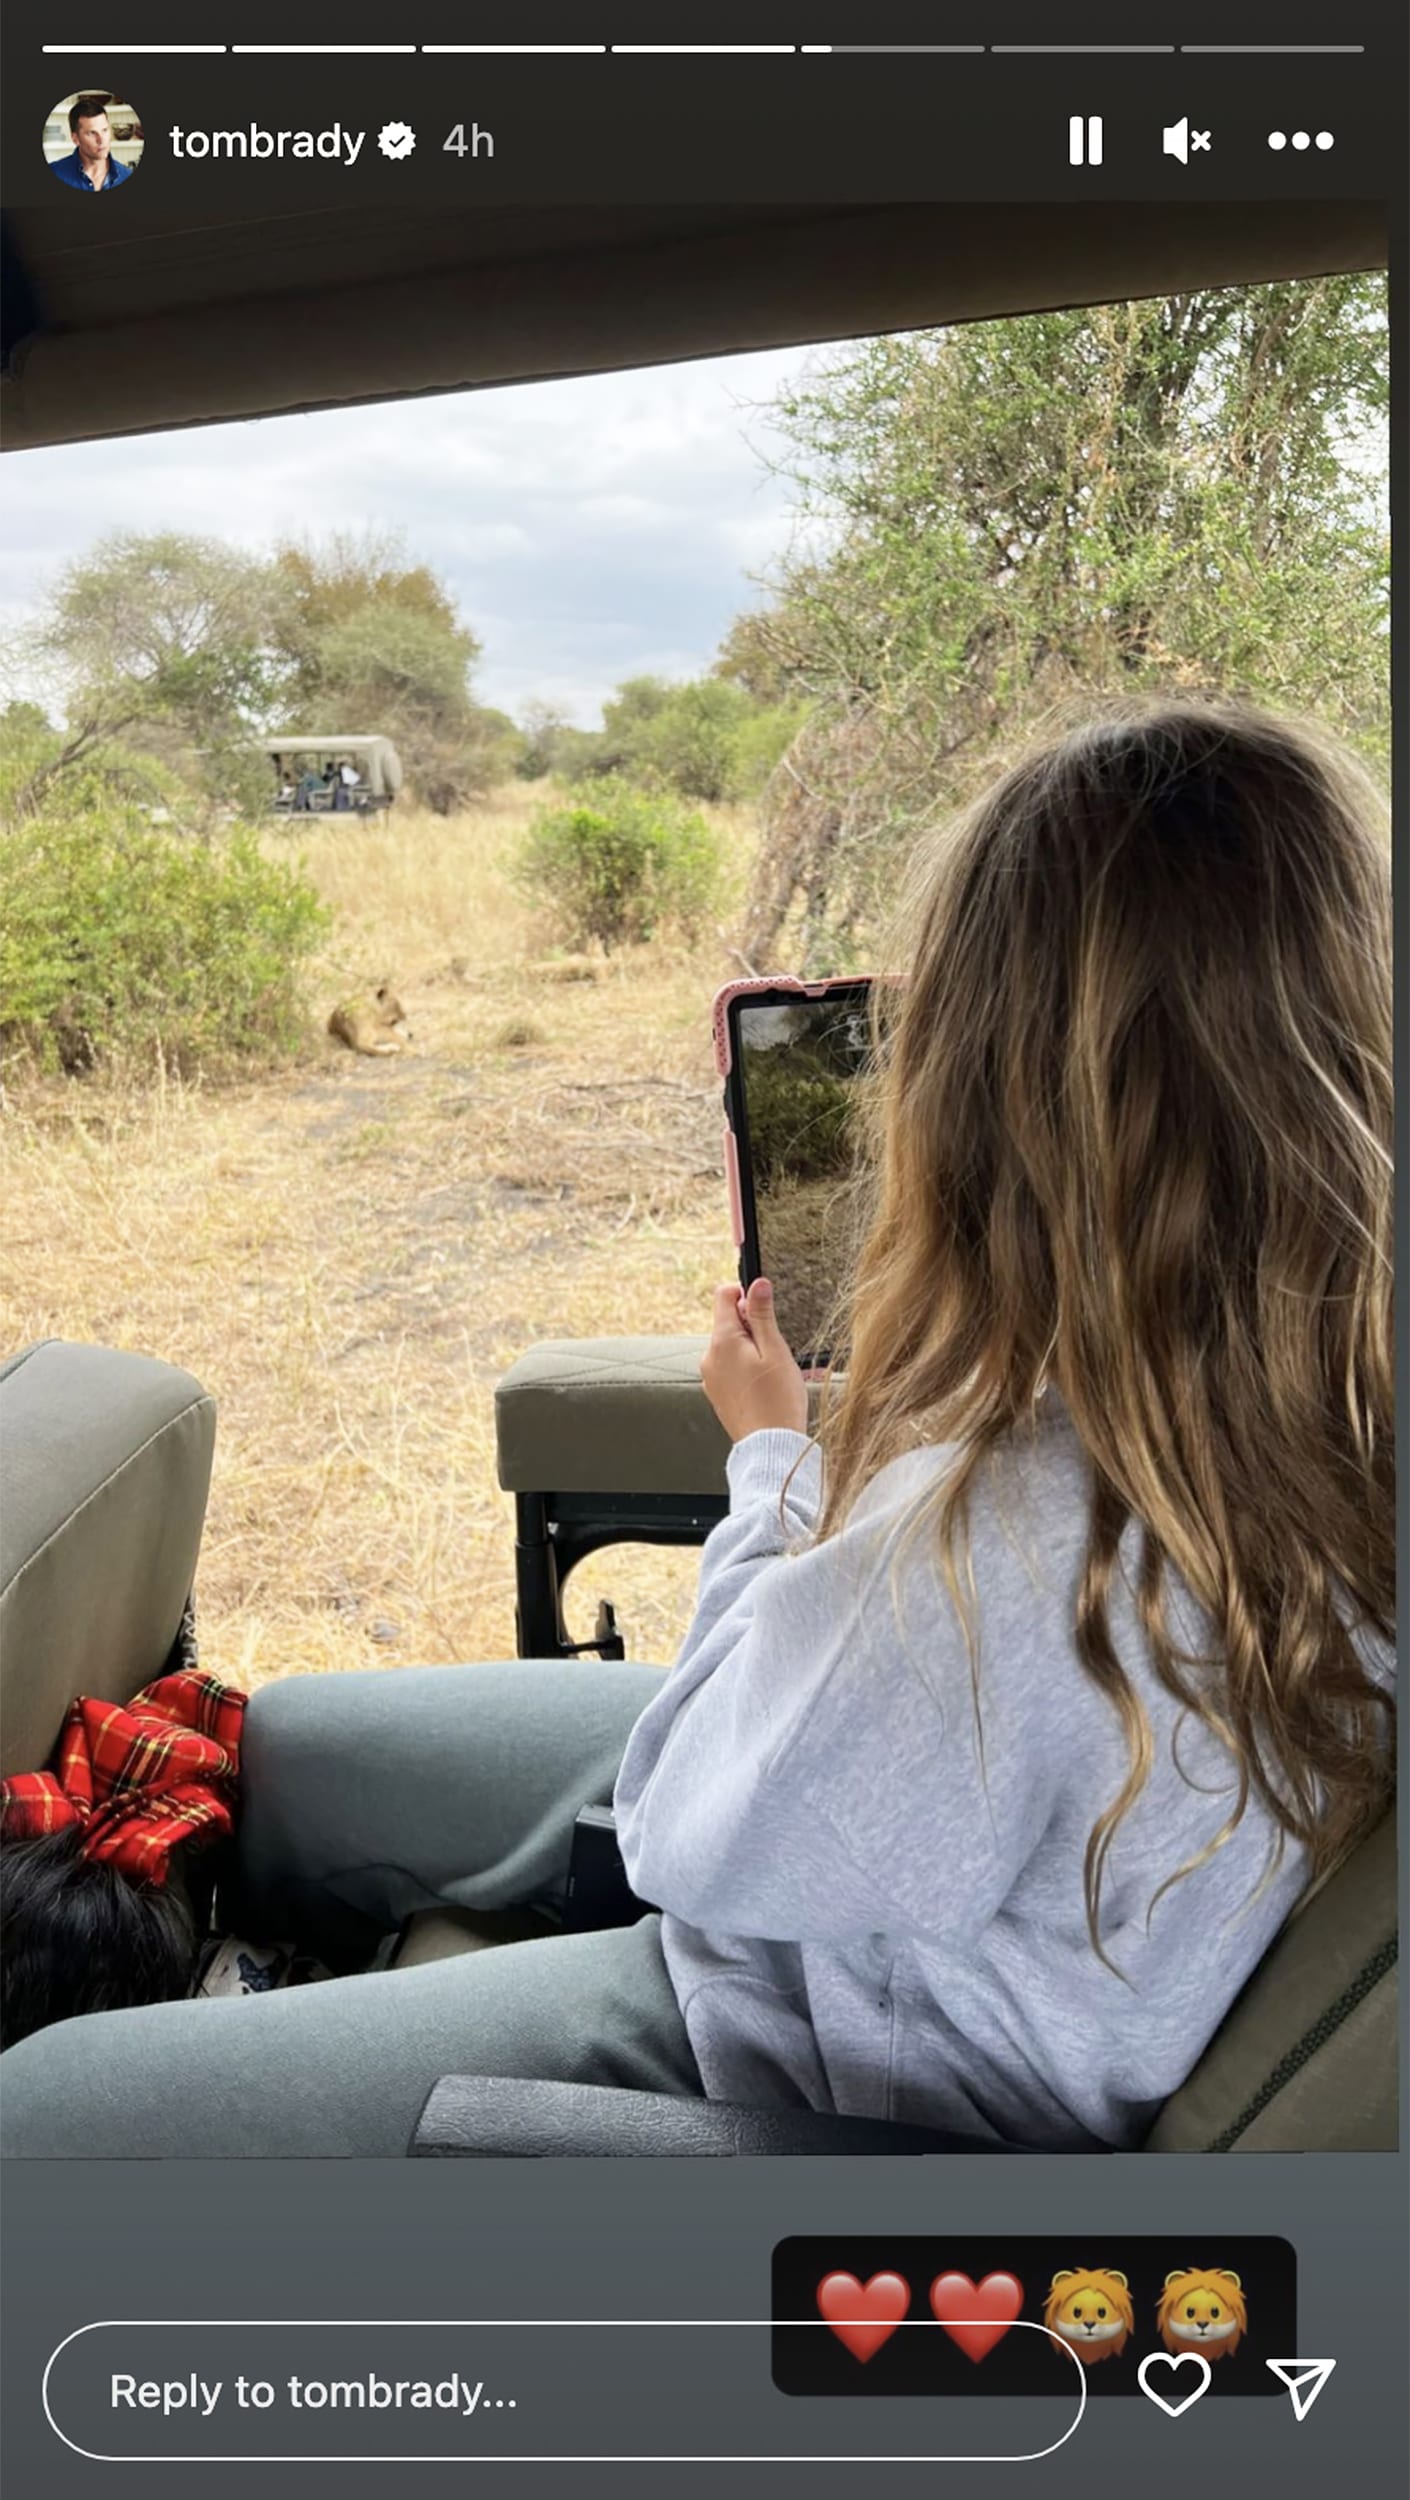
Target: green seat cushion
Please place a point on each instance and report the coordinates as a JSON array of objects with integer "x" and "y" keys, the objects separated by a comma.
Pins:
[
  {"x": 105, "y": 1461},
  {"x": 609, "y": 1415}
]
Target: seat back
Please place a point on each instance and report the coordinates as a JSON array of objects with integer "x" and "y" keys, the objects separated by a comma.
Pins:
[
  {"x": 105, "y": 1462},
  {"x": 1307, "y": 2058}
]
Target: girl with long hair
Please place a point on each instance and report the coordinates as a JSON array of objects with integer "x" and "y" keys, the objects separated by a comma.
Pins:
[{"x": 1083, "y": 1674}]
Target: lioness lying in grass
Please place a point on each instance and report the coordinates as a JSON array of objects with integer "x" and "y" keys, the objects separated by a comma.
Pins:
[{"x": 375, "y": 1025}]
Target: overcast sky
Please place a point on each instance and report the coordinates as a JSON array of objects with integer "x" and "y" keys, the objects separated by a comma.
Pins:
[{"x": 589, "y": 530}]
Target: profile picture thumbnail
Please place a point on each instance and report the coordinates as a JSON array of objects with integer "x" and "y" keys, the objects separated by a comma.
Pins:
[{"x": 93, "y": 141}]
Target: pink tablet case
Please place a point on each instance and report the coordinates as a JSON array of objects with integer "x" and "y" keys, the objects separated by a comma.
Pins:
[{"x": 719, "y": 1017}]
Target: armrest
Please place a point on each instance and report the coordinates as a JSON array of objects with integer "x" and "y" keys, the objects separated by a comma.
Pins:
[
  {"x": 623, "y": 1415},
  {"x": 609, "y": 1415},
  {"x": 105, "y": 1463},
  {"x": 490, "y": 2117}
]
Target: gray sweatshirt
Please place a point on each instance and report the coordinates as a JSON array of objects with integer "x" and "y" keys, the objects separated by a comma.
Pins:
[{"x": 871, "y": 1907}]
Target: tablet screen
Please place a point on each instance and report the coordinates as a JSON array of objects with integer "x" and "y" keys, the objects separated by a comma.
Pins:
[{"x": 799, "y": 1065}]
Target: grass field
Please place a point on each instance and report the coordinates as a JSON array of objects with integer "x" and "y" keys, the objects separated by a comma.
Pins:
[{"x": 350, "y": 1253}]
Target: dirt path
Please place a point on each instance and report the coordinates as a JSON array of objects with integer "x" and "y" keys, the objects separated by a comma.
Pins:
[{"x": 349, "y": 1255}]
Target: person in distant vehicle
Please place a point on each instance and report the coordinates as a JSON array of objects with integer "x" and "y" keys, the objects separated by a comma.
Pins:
[{"x": 92, "y": 166}]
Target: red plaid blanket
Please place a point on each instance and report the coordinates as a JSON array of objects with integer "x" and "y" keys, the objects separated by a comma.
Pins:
[{"x": 143, "y": 1779}]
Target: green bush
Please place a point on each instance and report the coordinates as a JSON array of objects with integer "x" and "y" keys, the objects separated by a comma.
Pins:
[
  {"x": 707, "y": 739},
  {"x": 549, "y": 744},
  {"x": 119, "y": 940},
  {"x": 688, "y": 743},
  {"x": 613, "y": 864}
]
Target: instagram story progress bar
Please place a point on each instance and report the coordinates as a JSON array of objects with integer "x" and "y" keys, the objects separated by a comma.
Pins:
[{"x": 686, "y": 51}]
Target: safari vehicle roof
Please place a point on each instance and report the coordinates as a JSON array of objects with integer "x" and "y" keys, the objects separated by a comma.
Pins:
[
  {"x": 298, "y": 742},
  {"x": 377, "y": 755},
  {"x": 243, "y": 317}
]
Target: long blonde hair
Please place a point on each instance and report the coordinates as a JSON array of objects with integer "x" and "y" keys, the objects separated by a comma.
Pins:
[{"x": 1133, "y": 1135}]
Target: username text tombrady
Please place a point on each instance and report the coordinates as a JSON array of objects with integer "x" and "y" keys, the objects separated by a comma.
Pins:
[{"x": 344, "y": 145}]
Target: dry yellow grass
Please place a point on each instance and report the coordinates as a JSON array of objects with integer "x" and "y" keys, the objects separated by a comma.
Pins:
[{"x": 349, "y": 1254}]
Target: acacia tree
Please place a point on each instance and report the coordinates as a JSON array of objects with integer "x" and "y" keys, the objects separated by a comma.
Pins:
[
  {"x": 997, "y": 520},
  {"x": 368, "y": 640},
  {"x": 160, "y": 639}
]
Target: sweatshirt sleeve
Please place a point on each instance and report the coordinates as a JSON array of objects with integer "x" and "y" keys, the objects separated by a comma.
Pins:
[{"x": 810, "y": 1768}]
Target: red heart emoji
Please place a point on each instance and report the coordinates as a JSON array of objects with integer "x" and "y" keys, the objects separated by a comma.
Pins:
[
  {"x": 976, "y": 2316},
  {"x": 864, "y": 2316}
]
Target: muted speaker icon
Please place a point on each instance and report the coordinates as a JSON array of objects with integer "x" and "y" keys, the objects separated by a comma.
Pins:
[{"x": 1183, "y": 142}]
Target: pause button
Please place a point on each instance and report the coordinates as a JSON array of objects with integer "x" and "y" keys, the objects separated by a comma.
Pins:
[{"x": 1084, "y": 139}]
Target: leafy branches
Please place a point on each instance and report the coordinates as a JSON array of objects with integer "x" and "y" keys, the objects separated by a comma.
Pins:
[{"x": 1007, "y": 516}]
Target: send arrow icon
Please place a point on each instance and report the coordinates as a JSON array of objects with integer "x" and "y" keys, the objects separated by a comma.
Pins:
[{"x": 1304, "y": 2381}]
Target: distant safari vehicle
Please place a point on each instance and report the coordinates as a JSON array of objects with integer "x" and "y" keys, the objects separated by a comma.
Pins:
[{"x": 333, "y": 775}]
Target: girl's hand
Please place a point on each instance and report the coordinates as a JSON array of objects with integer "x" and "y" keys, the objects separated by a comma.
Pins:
[{"x": 750, "y": 1377}]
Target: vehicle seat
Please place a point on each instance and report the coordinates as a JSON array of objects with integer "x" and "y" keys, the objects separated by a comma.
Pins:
[{"x": 105, "y": 1462}]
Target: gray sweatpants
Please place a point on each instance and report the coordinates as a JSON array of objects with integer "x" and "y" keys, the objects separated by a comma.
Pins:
[{"x": 366, "y": 1797}]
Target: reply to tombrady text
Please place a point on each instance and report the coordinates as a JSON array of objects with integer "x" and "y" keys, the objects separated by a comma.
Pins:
[{"x": 200, "y": 2397}]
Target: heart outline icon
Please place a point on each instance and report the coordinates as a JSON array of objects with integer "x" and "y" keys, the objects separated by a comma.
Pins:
[
  {"x": 863, "y": 2316},
  {"x": 1175, "y": 2361},
  {"x": 976, "y": 2316}
]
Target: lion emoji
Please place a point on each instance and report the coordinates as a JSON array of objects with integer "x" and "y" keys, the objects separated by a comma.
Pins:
[
  {"x": 376, "y": 1026},
  {"x": 1092, "y": 2313},
  {"x": 1202, "y": 2312}
]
